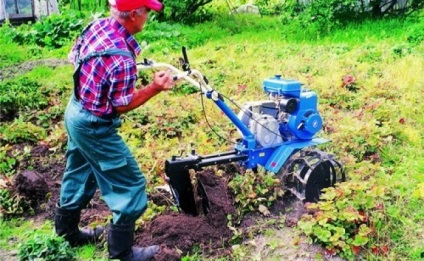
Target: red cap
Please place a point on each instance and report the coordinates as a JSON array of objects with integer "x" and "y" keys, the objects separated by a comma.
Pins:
[{"x": 128, "y": 5}]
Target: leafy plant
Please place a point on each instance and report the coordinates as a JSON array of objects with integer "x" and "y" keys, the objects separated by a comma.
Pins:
[
  {"x": 46, "y": 247},
  {"x": 152, "y": 211},
  {"x": 346, "y": 219},
  {"x": 21, "y": 93},
  {"x": 7, "y": 161},
  {"x": 12, "y": 204},
  {"x": 184, "y": 11},
  {"x": 155, "y": 31},
  {"x": 161, "y": 123},
  {"x": 20, "y": 131},
  {"x": 255, "y": 191},
  {"x": 53, "y": 31}
]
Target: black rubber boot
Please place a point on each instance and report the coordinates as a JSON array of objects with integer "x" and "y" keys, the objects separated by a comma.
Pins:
[
  {"x": 120, "y": 244},
  {"x": 66, "y": 225}
]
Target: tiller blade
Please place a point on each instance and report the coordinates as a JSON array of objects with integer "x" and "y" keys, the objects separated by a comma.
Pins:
[
  {"x": 189, "y": 192},
  {"x": 181, "y": 187}
]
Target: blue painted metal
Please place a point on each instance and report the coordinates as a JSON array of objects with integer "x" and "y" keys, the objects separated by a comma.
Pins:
[
  {"x": 306, "y": 116},
  {"x": 256, "y": 157},
  {"x": 282, "y": 153},
  {"x": 273, "y": 158},
  {"x": 249, "y": 141},
  {"x": 303, "y": 123},
  {"x": 278, "y": 86}
]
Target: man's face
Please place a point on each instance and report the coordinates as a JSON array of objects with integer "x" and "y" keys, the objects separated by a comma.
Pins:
[{"x": 139, "y": 18}]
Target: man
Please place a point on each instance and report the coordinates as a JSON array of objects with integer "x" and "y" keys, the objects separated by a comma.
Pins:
[{"x": 104, "y": 87}]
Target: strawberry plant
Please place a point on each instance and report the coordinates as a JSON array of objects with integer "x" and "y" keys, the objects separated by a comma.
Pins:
[
  {"x": 7, "y": 161},
  {"x": 346, "y": 219},
  {"x": 255, "y": 191}
]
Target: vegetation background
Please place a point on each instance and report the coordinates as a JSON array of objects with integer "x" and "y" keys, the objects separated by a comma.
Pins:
[{"x": 366, "y": 66}]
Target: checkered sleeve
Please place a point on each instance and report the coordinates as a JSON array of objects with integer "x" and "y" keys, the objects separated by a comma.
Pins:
[{"x": 123, "y": 81}]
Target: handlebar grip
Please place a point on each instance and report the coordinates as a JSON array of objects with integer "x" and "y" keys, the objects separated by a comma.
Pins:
[
  {"x": 185, "y": 54},
  {"x": 186, "y": 65}
]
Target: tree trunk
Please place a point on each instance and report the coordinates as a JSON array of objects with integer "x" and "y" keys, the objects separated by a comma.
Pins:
[{"x": 375, "y": 8}]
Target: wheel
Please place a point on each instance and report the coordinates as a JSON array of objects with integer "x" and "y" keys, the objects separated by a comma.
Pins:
[{"x": 308, "y": 172}]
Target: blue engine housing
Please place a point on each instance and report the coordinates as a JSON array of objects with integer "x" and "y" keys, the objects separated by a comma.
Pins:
[{"x": 300, "y": 118}]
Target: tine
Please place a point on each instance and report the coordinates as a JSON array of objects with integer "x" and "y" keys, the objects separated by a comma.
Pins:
[{"x": 309, "y": 171}]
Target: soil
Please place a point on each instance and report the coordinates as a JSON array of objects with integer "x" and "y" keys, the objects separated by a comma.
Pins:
[
  {"x": 176, "y": 233},
  {"x": 180, "y": 231},
  {"x": 12, "y": 71}
]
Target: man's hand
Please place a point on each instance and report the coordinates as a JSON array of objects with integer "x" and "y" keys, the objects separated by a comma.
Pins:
[{"x": 163, "y": 81}]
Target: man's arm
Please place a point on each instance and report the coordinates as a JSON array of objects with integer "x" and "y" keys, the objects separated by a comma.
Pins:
[{"x": 162, "y": 81}]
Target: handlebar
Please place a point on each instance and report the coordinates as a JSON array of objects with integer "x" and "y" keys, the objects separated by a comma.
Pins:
[{"x": 195, "y": 77}]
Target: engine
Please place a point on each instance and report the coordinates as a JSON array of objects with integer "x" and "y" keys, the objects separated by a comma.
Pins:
[{"x": 290, "y": 113}]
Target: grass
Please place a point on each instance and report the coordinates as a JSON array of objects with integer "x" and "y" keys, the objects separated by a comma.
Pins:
[
  {"x": 13, "y": 231},
  {"x": 407, "y": 215},
  {"x": 383, "y": 116},
  {"x": 16, "y": 231}
]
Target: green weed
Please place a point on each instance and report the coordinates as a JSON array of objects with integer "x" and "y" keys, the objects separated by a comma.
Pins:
[
  {"x": 12, "y": 204},
  {"x": 19, "y": 131},
  {"x": 13, "y": 231},
  {"x": 91, "y": 252},
  {"x": 46, "y": 247},
  {"x": 20, "y": 94}
]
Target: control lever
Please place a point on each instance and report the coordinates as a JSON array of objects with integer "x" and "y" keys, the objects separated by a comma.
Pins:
[{"x": 185, "y": 64}]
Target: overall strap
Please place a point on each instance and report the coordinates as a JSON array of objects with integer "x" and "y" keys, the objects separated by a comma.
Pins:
[
  {"x": 79, "y": 41},
  {"x": 80, "y": 62},
  {"x": 107, "y": 52}
]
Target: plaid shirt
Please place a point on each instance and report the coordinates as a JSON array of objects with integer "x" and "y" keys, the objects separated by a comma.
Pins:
[{"x": 108, "y": 81}]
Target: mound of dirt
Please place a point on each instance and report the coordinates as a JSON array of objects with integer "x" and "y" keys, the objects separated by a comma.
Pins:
[
  {"x": 178, "y": 232},
  {"x": 31, "y": 185},
  {"x": 38, "y": 181}
]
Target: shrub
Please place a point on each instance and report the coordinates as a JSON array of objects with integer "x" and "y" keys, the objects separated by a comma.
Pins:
[
  {"x": 21, "y": 93},
  {"x": 271, "y": 7},
  {"x": 53, "y": 31},
  {"x": 186, "y": 11},
  {"x": 20, "y": 131},
  {"x": 321, "y": 16}
]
